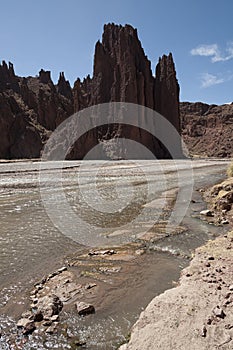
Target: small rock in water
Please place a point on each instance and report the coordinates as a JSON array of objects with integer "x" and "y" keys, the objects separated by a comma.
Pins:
[
  {"x": 75, "y": 341},
  {"x": 26, "y": 314},
  {"x": 102, "y": 252},
  {"x": 140, "y": 252},
  {"x": 204, "y": 331},
  {"x": 209, "y": 320},
  {"x": 49, "y": 305},
  {"x": 29, "y": 328},
  {"x": 27, "y": 325},
  {"x": 84, "y": 309},
  {"x": 54, "y": 318},
  {"x": 23, "y": 322},
  {"x": 218, "y": 312},
  {"x": 207, "y": 212},
  {"x": 62, "y": 269},
  {"x": 90, "y": 285},
  {"x": 211, "y": 258},
  {"x": 38, "y": 317},
  {"x": 52, "y": 328}
]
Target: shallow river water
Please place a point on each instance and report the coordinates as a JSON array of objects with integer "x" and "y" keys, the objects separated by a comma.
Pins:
[{"x": 117, "y": 203}]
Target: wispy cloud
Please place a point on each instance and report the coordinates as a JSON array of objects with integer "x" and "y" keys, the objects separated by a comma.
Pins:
[
  {"x": 214, "y": 52},
  {"x": 208, "y": 80}
]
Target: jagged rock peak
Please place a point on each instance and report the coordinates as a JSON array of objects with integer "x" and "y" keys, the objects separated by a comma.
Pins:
[
  {"x": 167, "y": 90},
  {"x": 45, "y": 76},
  {"x": 63, "y": 86},
  {"x": 122, "y": 71},
  {"x": 61, "y": 78},
  {"x": 8, "y": 79},
  {"x": 7, "y": 69},
  {"x": 113, "y": 33},
  {"x": 165, "y": 66}
]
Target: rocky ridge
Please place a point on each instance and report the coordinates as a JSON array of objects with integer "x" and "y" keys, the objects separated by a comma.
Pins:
[{"x": 31, "y": 108}]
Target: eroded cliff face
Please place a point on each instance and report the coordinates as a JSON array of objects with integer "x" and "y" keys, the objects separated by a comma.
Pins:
[
  {"x": 122, "y": 73},
  {"x": 32, "y": 107},
  {"x": 207, "y": 129}
]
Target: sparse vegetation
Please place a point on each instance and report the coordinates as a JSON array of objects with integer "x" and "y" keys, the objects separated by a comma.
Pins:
[{"x": 230, "y": 170}]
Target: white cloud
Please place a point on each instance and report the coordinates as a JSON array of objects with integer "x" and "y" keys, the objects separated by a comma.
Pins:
[
  {"x": 210, "y": 80},
  {"x": 214, "y": 52}
]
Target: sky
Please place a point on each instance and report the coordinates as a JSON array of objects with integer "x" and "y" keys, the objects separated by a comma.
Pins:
[{"x": 60, "y": 35}]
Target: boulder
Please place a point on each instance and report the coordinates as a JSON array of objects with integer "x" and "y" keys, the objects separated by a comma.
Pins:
[
  {"x": 84, "y": 308},
  {"x": 49, "y": 306}
]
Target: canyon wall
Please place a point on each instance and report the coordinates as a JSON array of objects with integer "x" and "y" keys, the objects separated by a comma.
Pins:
[
  {"x": 32, "y": 107},
  {"x": 207, "y": 130}
]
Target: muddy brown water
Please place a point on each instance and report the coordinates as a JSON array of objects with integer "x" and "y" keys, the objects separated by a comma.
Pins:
[{"x": 31, "y": 246}]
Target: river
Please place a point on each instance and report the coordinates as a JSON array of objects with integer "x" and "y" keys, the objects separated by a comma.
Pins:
[{"x": 38, "y": 229}]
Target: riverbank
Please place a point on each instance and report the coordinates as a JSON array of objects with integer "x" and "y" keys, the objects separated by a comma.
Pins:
[{"x": 198, "y": 313}]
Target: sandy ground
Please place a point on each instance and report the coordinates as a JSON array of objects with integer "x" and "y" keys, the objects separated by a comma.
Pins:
[{"x": 198, "y": 313}]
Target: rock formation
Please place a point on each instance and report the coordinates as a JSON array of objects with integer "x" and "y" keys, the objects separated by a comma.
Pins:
[
  {"x": 122, "y": 73},
  {"x": 207, "y": 129},
  {"x": 32, "y": 107}
]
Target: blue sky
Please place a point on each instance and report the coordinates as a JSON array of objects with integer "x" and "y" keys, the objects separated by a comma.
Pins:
[{"x": 60, "y": 35}]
